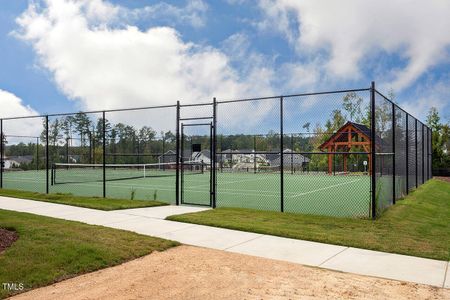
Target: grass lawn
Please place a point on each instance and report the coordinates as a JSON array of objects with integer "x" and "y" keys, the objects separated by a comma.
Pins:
[
  {"x": 49, "y": 250},
  {"x": 418, "y": 225},
  {"x": 89, "y": 202}
]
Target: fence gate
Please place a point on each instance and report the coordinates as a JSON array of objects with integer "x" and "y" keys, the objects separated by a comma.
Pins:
[{"x": 196, "y": 164}]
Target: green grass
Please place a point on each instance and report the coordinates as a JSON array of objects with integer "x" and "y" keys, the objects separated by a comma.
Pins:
[
  {"x": 49, "y": 250},
  {"x": 418, "y": 225},
  {"x": 88, "y": 202}
]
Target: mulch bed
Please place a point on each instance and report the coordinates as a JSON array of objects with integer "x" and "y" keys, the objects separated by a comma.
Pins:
[
  {"x": 443, "y": 178},
  {"x": 7, "y": 238}
]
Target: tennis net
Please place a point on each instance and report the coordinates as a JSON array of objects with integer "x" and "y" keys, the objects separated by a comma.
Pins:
[{"x": 63, "y": 173}]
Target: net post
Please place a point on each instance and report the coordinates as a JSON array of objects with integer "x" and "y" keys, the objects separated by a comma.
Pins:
[
  {"x": 281, "y": 156},
  {"x": 1, "y": 154},
  {"x": 373, "y": 155},
  {"x": 415, "y": 142},
  {"x": 214, "y": 152},
  {"x": 177, "y": 155},
  {"x": 47, "y": 156},
  {"x": 393, "y": 151},
  {"x": 407, "y": 153},
  {"x": 104, "y": 152}
]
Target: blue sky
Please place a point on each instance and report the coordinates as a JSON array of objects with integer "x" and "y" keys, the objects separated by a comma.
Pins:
[{"x": 61, "y": 55}]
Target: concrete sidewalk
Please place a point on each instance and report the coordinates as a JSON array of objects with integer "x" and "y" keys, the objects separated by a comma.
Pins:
[{"x": 150, "y": 221}]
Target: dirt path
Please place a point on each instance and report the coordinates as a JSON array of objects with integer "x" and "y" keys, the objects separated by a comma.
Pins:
[{"x": 187, "y": 272}]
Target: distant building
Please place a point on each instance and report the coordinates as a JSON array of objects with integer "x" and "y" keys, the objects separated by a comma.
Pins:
[
  {"x": 170, "y": 156},
  {"x": 243, "y": 156},
  {"x": 290, "y": 160},
  {"x": 10, "y": 164},
  {"x": 15, "y": 162}
]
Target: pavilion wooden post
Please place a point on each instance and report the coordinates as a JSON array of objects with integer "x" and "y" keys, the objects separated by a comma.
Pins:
[{"x": 330, "y": 161}]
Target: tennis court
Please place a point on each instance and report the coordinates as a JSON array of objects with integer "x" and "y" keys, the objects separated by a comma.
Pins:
[{"x": 339, "y": 195}]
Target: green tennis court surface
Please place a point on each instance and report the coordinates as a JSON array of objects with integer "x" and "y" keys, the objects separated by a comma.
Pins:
[{"x": 340, "y": 195}]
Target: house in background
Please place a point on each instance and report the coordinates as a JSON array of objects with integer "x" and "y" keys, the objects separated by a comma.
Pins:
[
  {"x": 171, "y": 156},
  {"x": 243, "y": 156},
  {"x": 14, "y": 162},
  {"x": 8, "y": 163},
  {"x": 291, "y": 160}
]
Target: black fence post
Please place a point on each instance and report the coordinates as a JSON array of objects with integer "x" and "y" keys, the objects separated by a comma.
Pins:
[
  {"x": 1, "y": 154},
  {"x": 181, "y": 164},
  {"x": 67, "y": 150},
  {"x": 90, "y": 147},
  {"x": 373, "y": 148},
  {"x": 407, "y": 153},
  {"x": 221, "y": 154},
  {"x": 47, "y": 156},
  {"x": 415, "y": 142},
  {"x": 254, "y": 154},
  {"x": 163, "y": 151},
  {"x": 393, "y": 155},
  {"x": 423, "y": 154},
  {"x": 292, "y": 153},
  {"x": 430, "y": 153},
  {"x": 37, "y": 154},
  {"x": 177, "y": 178},
  {"x": 281, "y": 155},
  {"x": 104, "y": 153},
  {"x": 211, "y": 164},
  {"x": 214, "y": 156}
]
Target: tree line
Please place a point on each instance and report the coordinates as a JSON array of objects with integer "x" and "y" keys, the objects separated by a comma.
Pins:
[{"x": 78, "y": 138}]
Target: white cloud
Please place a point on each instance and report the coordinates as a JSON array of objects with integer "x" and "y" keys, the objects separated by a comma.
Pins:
[
  {"x": 349, "y": 31},
  {"x": 427, "y": 95},
  {"x": 101, "y": 66},
  {"x": 12, "y": 106},
  {"x": 193, "y": 13}
]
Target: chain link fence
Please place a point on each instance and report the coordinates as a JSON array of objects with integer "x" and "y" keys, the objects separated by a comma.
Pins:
[{"x": 349, "y": 153}]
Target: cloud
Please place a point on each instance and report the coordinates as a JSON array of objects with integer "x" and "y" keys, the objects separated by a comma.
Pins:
[
  {"x": 429, "y": 94},
  {"x": 193, "y": 13},
  {"x": 12, "y": 106},
  {"x": 101, "y": 66},
  {"x": 348, "y": 32}
]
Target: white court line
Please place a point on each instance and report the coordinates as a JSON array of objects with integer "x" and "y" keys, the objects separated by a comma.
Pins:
[{"x": 325, "y": 188}]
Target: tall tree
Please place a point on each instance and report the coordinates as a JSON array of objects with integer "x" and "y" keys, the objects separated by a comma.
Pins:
[
  {"x": 440, "y": 139},
  {"x": 352, "y": 104}
]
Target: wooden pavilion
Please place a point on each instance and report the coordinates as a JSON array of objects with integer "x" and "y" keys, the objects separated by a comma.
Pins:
[{"x": 351, "y": 136}]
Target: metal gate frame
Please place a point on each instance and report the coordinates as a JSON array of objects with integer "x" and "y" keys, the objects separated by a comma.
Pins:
[{"x": 181, "y": 169}]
